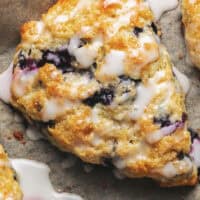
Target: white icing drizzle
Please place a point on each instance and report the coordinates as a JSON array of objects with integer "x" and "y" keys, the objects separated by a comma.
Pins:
[
  {"x": 144, "y": 96},
  {"x": 169, "y": 170},
  {"x": 35, "y": 183},
  {"x": 81, "y": 4},
  {"x": 114, "y": 63},
  {"x": 111, "y": 2},
  {"x": 85, "y": 55},
  {"x": 175, "y": 168},
  {"x": 159, "y": 134},
  {"x": 151, "y": 54},
  {"x": 5, "y": 82},
  {"x": 22, "y": 80},
  {"x": 139, "y": 152},
  {"x": 183, "y": 80},
  {"x": 96, "y": 139},
  {"x": 195, "y": 152},
  {"x": 53, "y": 108},
  {"x": 80, "y": 86},
  {"x": 61, "y": 19},
  {"x": 65, "y": 17},
  {"x": 192, "y": 1},
  {"x": 160, "y": 6},
  {"x": 147, "y": 52},
  {"x": 40, "y": 27},
  {"x": 95, "y": 115},
  {"x": 34, "y": 134},
  {"x": 125, "y": 14},
  {"x": 145, "y": 93}
]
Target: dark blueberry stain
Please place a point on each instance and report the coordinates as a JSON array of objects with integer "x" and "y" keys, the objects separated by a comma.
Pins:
[
  {"x": 29, "y": 52},
  {"x": 127, "y": 78},
  {"x": 137, "y": 30},
  {"x": 83, "y": 42},
  {"x": 163, "y": 121},
  {"x": 193, "y": 134},
  {"x": 60, "y": 58},
  {"x": 184, "y": 117},
  {"x": 104, "y": 96},
  {"x": 29, "y": 64},
  {"x": 51, "y": 124},
  {"x": 181, "y": 156},
  {"x": 154, "y": 27},
  {"x": 15, "y": 177},
  {"x": 94, "y": 65}
]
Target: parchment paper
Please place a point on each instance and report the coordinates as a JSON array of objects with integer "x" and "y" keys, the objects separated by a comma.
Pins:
[{"x": 99, "y": 184}]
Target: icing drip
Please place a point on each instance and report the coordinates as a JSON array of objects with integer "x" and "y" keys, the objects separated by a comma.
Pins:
[
  {"x": 35, "y": 183},
  {"x": 5, "y": 80},
  {"x": 183, "y": 80},
  {"x": 159, "y": 7}
]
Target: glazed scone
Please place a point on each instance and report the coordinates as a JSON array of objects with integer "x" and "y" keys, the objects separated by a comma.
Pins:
[
  {"x": 94, "y": 76},
  {"x": 191, "y": 14},
  {"x": 9, "y": 188}
]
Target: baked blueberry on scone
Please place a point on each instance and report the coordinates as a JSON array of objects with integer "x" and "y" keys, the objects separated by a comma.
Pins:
[
  {"x": 9, "y": 188},
  {"x": 191, "y": 13},
  {"x": 94, "y": 76}
]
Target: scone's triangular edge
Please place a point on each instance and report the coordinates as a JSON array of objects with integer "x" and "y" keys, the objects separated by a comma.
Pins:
[{"x": 95, "y": 77}]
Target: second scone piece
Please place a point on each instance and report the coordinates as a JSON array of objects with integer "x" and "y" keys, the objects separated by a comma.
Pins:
[
  {"x": 9, "y": 188},
  {"x": 191, "y": 14}
]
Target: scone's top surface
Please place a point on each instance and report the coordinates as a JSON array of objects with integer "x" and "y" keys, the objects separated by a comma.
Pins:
[
  {"x": 96, "y": 76},
  {"x": 104, "y": 29}
]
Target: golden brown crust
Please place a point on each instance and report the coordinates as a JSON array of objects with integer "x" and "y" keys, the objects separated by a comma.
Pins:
[
  {"x": 191, "y": 13},
  {"x": 115, "y": 128}
]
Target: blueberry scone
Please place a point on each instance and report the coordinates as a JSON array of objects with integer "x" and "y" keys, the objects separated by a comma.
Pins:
[
  {"x": 94, "y": 76},
  {"x": 191, "y": 13},
  {"x": 9, "y": 188}
]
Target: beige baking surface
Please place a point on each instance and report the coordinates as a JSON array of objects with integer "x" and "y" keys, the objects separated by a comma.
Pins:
[{"x": 99, "y": 184}]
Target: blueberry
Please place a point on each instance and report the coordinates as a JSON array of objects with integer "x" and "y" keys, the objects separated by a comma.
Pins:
[
  {"x": 127, "y": 78},
  {"x": 29, "y": 52},
  {"x": 22, "y": 63},
  {"x": 138, "y": 30},
  {"x": 22, "y": 60},
  {"x": 104, "y": 96},
  {"x": 181, "y": 156},
  {"x": 193, "y": 134},
  {"x": 124, "y": 78},
  {"x": 184, "y": 117},
  {"x": 83, "y": 42},
  {"x": 29, "y": 64},
  {"x": 154, "y": 27},
  {"x": 61, "y": 59},
  {"x": 163, "y": 121},
  {"x": 51, "y": 124}
]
